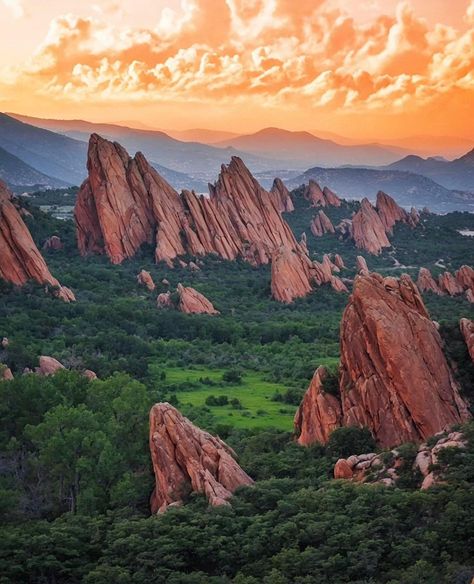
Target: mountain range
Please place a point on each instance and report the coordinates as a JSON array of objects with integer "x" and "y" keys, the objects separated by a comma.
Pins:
[{"x": 18, "y": 174}]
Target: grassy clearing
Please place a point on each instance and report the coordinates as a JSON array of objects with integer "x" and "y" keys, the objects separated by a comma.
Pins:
[{"x": 254, "y": 393}]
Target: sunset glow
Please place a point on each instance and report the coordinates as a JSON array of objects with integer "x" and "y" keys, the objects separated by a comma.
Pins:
[{"x": 390, "y": 69}]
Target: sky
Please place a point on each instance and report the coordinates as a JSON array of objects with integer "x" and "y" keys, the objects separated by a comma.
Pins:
[{"x": 363, "y": 69}]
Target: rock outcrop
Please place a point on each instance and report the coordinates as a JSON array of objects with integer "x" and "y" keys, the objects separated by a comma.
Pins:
[
  {"x": 48, "y": 366},
  {"x": 321, "y": 224},
  {"x": 465, "y": 277},
  {"x": 449, "y": 285},
  {"x": 282, "y": 195},
  {"x": 390, "y": 212},
  {"x": 144, "y": 279},
  {"x": 125, "y": 203},
  {"x": 5, "y": 373},
  {"x": 187, "y": 459},
  {"x": 467, "y": 330},
  {"x": 291, "y": 275},
  {"x": 319, "y": 413},
  {"x": 384, "y": 468},
  {"x": 395, "y": 379},
  {"x": 339, "y": 262},
  {"x": 368, "y": 231},
  {"x": 20, "y": 259},
  {"x": 320, "y": 197},
  {"x": 54, "y": 242},
  {"x": 361, "y": 266},
  {"x": 188, "y": 300},
  {"x": 426, "y": 282},
  {"x": 193, "y": 302}
]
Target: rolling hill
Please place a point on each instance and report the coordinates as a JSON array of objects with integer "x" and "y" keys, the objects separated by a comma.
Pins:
[{"x": 299, "y": 148}]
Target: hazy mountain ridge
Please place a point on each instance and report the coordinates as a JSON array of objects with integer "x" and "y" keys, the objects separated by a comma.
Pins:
[{"x": 17, "y": 173}]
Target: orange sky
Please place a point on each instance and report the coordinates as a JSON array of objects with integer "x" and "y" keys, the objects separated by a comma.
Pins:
[{"x": 362, "y": 68}]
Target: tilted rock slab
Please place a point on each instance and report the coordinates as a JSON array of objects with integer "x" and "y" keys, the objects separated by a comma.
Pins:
[
  {"x": 282, "y": 195},
  {"x": 187, "y": 459},
  {"x": 20, "y": 259},
  {"x": 319, "y": 413},
  {"x": 395, "y": 379},
  {"x": 321, "y": 224},
  {"x": 426, "y": 282},
  {"x": 368, "y": 231}
]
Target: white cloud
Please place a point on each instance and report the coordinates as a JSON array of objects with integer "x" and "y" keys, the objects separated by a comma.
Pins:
[{"x": 15, "y": 7}]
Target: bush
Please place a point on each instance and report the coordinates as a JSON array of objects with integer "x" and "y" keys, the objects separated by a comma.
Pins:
[
  {"x": 344, "y": 442},
  {"x": 232, "y": 376},
  {"x": 221, "y": 400}
]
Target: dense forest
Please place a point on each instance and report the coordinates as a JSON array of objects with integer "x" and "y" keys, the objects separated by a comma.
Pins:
[{"x": 75, "y": 469}]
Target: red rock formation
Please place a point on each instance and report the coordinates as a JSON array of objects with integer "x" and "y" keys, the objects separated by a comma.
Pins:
[
  {"x": 389, "y": 212},
  {"x": 193, "y": 302},
  {"x": 319, "y": 413},
  {"x": 465, "y": 277},
  {"x": 339, "y": 262},
  {"x": 303, "y": 243},
  {"x": 291, "y": 275},
  {"x": 342, "y": 469},
  {"x": 125, "y": 203},
  {"x": 282, "y": 196},
  {"x": 185, "y": 458},
  {"x": 20, "y": 259},
  {"x": 331, "y": 198},
  {"x": 144, "y": 278},
  {"x": 194, "y": 267},
  {"x": 48, "y": 366},
  {"x": 368, "y": 230},
  {"x": 467, "y": 330},
  {"x": 338, "y": 285},
  {"x": 5, "y": 373},
  {"x": 164, "y": 300},
  {"x": 449, "y": 285},
  {"x": 470, "y": 296},
  {"x": 361, "y": 266},
  {"x": 426, "y": 282},
  {"x": 91, "y": 375},
  {"x": 54, "y": 242},
  {"x": 318, "y": 197},
  {"x": 414, "y": 217},
  {"x": 321, "y": 224},
  {"x": 394, "y": 376},
  {"x": 344, "y": 228}
]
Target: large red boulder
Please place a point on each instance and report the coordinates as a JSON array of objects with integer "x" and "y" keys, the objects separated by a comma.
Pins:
[
  {"x": 368, "y": 231},
  {"x": 321, "y": 224},
  {"x": 191, "y": 301},
  {"x": 187, "y": 459},
  {"x": 426, "y": 282}
]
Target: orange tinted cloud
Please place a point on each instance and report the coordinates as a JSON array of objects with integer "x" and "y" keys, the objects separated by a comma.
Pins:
[{"x": 275, "y": 54}]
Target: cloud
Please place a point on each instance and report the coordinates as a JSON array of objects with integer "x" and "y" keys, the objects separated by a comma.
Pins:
[
  {"x": 278, "y": 53},
  {"x": 15, "y": 7}
]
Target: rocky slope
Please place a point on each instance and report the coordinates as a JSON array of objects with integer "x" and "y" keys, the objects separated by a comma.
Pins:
[
  {"x": 187, "y": 459},
  {"x": 20, "y": 259}
]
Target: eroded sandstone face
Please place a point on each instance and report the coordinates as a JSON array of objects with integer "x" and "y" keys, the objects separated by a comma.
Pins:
[
  {"x": 467, "y": 330},
  {"x": 390, "y": 212},
  {"x": 144, "y": 278},
  {"x": 368, "y": 231},
  {"x": 321, "y": 224},
  {"x": 291, "y": 275},
  {"x": 282, "y": 195},
  {"x": 20, "y": 259},
  {"x": 125, "y": 203},
  {"x": 319, "y": 413},
  {"x": 187, "y": 459},
  {"x": 426, "y": 282},
  {"x": 193, "y": 302},
  {"x": 395, "y": 379}
]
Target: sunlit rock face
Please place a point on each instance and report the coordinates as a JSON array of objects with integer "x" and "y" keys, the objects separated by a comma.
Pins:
[{"x": 187, "y": 459}]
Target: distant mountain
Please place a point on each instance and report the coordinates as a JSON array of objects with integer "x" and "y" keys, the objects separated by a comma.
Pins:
[
  {"x": 198, "y": 160},
  {"x": 299, "y": 148},
  {"x": 201, "y": 135},
  {"x": 17, "y": 173},
  {"x": 407, "y": 188},
  {"x": 446, "y": 146},
  {"x": 52, "y": 154},
  {"x": 457, "y": 174}
]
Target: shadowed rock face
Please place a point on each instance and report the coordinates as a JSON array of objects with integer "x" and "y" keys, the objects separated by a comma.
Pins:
[
  {"x": 20, "y": 259},
  {"x": 368, "y": 231},
  {"x": 125, "y": 203},
  {"x": 467, "y": 330},
  {"x": 187, "y": 459},
  {"x": 394, "y": 376},
  {"x": 319, "y": 413},
  {"x": 318, "y": 197},
  {"x": 282, "y": 195}
]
